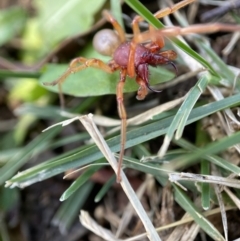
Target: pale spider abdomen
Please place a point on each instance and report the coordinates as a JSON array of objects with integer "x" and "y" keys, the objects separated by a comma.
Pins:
[{"x": 106, "y": 41}]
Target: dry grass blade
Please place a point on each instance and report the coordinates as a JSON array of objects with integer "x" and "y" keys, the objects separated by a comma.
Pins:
[
  {"x": 62, "y": 123},
  {"x": 179, "y": 231},
  {"x": 148, "y": 115},
  {"x": 90, "y": 224},
  {"x": 90, "y": 126},
  {"x": 186, "y": 219},
  {"x": 228, "y": 49},
  {"x": 191, "y": 233},
  {"x": 180, "y": 79},
  {"x": 223, "y": 212},
  {"x": 190, "y": 219},
  {"x": 234, "y": 198},
  {"x": 175, "y": 177},
  {"x": 216, "y": 93}
]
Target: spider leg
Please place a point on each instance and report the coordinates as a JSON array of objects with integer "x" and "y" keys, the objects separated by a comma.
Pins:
[
  {"x": 155, "y": 45},
  {"x": 169, "y": 10},
  {"x": 200, "y": 28},
  {"x": 123, "y": 116},
  {"x": 156, "y": 39},
  {"x": 196, "y": 28},
  {"x": 77, "y": 65},
  {"x": 169, "y": 54},
  {"x": 142, "y": 91},
  {"x": 116, "y": 25}
]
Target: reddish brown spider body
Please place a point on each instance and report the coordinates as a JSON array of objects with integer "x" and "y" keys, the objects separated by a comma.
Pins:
[
  {"x": 133, "y": 58},
  {"x": 142, "y": 59}
]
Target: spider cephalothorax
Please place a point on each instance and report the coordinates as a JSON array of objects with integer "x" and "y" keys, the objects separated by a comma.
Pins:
[{"x": 143, "y": 58}]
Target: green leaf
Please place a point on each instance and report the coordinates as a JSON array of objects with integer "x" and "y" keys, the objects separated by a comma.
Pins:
[
  {"x": 26, "y": 90},
  {"x": 61, "y": 19},
  {"x": 12, "y": 21},
  {"x": 93, "y": 82}
]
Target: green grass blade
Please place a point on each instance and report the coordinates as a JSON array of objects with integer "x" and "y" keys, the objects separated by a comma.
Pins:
[
  {"x": 69, "y": 210},
  {"x": 83, "y": 178},
  {"x": 205, "y": 187},
  {"x": 184, "y": 201},
  {"x": 189, "y": 103},
  {"x": 22, "y": 157},
  {"x": 18, "y": 74},
  {"x": 183, "y": 113},
  {"x": 225, "y": 72},
  {"x": 207, "y": 153},
  {"x": 202, "y": 138},
  {"x": 105, "y": 189},
  {"x": 88, "y": 154},
  {"x": 141, "y": 10}
]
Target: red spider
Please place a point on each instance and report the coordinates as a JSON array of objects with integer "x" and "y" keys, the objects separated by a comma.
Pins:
[{"x": 133, "y": 58}]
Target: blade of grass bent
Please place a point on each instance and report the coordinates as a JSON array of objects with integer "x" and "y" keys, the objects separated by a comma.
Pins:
[
  {"x": 190, "y": 101},
  {"x": 183, "y": 113}
]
